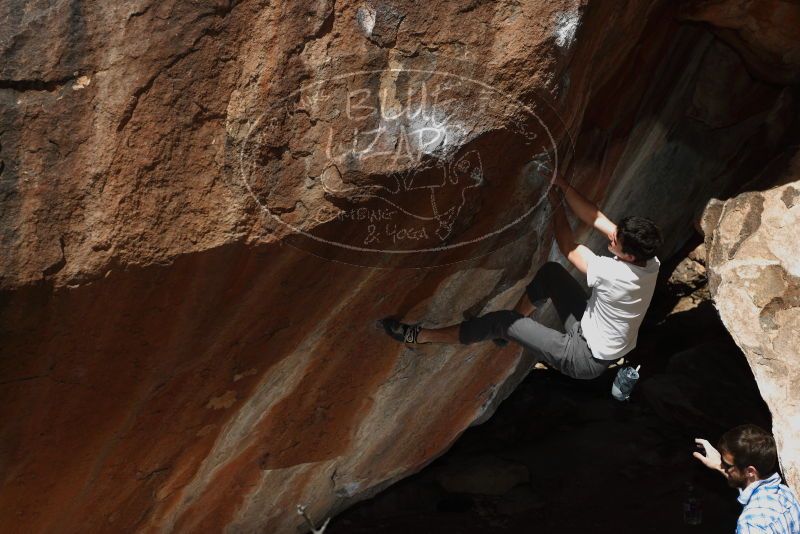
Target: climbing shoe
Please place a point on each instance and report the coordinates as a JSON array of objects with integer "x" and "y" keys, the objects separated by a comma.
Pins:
[{"x": 405, "y": 333}]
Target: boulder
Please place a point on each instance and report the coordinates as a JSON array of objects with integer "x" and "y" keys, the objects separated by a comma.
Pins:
[
  {"x": 753, "y": 243},
  {"x": 206, "y": 205}
]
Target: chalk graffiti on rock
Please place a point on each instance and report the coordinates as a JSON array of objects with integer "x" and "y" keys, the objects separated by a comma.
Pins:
[{"x": 394, "y": 160}]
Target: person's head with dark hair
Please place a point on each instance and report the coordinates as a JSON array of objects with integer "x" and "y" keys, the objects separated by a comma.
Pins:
[
  {"x": 748, "y": 454},
  {"x": 637, "y": 239}
]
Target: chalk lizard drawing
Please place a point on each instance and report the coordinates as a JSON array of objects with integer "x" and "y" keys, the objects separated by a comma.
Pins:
[{"x": 457, "y": 176}]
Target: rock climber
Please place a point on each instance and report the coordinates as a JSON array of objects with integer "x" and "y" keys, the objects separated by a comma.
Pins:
[
  {"x": 599, "y": 328},
  {"x": 747, "y": 458}
]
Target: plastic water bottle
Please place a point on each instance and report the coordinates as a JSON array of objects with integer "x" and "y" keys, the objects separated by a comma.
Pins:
[
  {"x": 692, "y": 509},
  {"x": 624, "y": 382}
]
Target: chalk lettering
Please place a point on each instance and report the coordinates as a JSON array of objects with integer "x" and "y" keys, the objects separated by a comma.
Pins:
[
  {"x": 372, "y": 235},
  {"x": 366, "y": 214},
  {"x": 359, "y": 105},
  {"x": 404, "y": 234}
]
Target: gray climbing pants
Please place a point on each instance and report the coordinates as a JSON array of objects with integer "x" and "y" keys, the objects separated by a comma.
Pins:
[{"x": 568, "y": 352}]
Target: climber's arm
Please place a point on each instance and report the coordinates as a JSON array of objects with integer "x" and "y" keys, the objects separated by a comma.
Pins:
[
  {"x": 578, "y": 255},
  {"x": 586, "y": 210}
]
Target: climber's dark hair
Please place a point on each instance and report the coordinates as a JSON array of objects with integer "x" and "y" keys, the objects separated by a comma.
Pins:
[
  {"x": 639, "y": 237},
  {"x": 751, "y": 445}
]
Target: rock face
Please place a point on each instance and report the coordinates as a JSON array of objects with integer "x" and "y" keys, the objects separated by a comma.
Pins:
[
  {"x": 753, "y": 245},
  {"x": 206, "y": 205},
  {"x": 773, "y": 54}
]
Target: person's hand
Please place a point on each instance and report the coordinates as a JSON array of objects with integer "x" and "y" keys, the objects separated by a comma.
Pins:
[{"x": 711, "y": 457}]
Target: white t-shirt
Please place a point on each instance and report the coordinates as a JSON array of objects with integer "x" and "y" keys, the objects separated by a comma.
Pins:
[{"x": 621, "y": 295}]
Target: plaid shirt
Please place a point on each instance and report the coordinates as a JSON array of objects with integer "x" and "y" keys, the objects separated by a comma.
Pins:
[{"x": 769, "y": 508}]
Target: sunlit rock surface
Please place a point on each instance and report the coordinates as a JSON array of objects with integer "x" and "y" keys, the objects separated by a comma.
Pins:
[
  {"x": 189, "y": 275},
  {"x": 753, "y": 245}
]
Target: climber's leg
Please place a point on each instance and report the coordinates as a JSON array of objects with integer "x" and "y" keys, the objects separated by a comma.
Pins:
[
  {"x": 554, "y": 281},
  {"x": 491, "y": 326},
  {"x": 448, "y": 334},
  {"x": 565, "y": 352}
]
